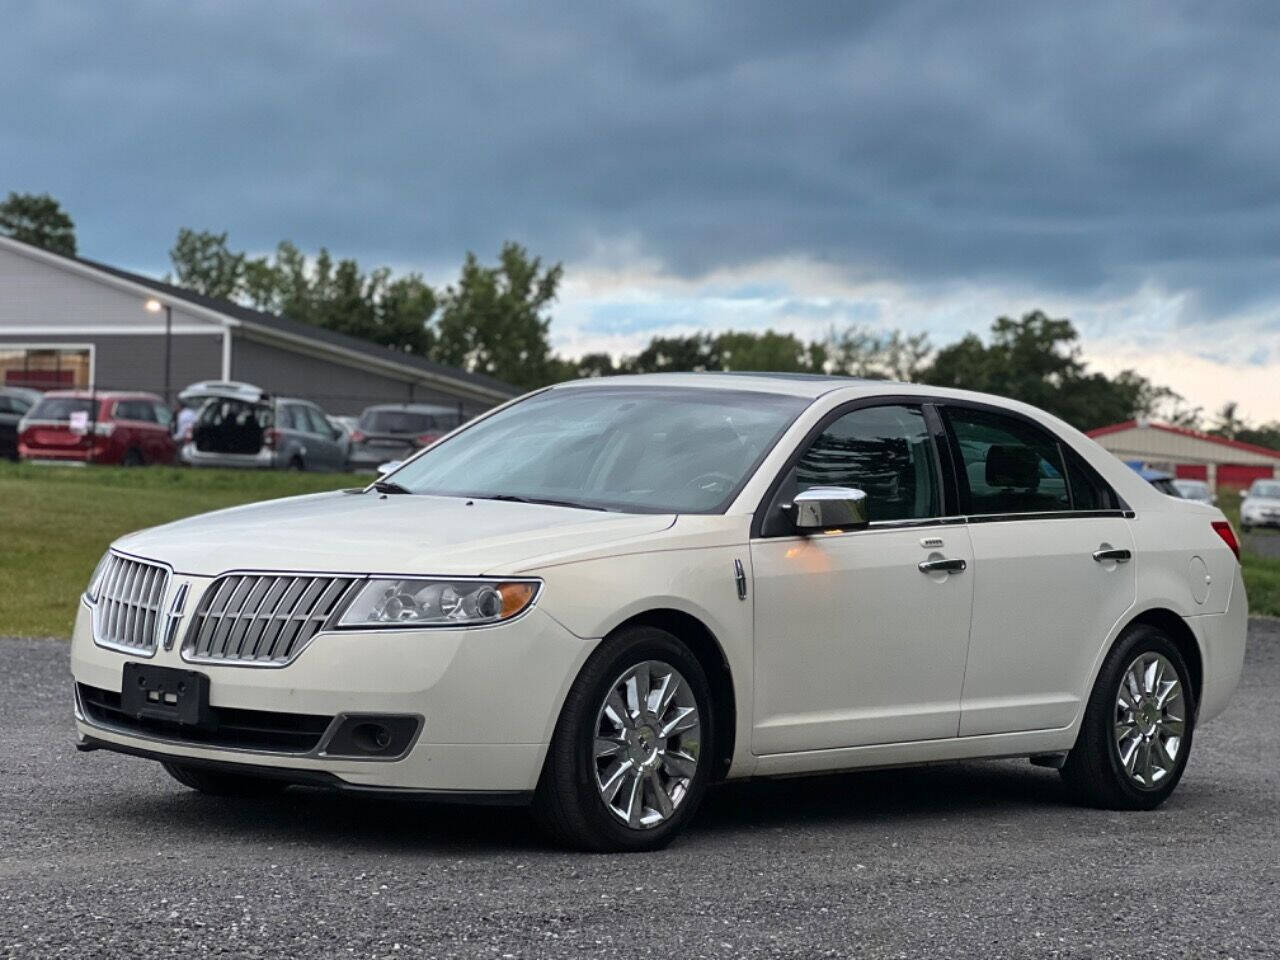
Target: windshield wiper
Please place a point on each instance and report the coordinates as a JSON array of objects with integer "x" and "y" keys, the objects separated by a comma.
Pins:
[
  {"x": 389, "y": 486},
  {"x": 512, "y": 498}
]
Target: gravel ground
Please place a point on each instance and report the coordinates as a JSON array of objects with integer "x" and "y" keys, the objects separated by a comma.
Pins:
[{"x": 103, "y": 856}]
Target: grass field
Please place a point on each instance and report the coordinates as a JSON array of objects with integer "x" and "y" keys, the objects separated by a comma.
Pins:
[{"x": 56, "y": 522}]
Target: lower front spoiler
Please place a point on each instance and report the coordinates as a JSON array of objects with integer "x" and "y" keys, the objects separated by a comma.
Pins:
[{"x": 319, "y": 778}]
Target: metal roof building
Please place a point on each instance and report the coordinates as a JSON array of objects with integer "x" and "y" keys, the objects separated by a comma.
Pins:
[
  {"x": 1189, "y": 453},
  {"x": 69, "y": 322}
]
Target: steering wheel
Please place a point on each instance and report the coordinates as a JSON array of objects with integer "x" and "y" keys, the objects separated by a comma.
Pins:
[{"x": 713, "y": 481}]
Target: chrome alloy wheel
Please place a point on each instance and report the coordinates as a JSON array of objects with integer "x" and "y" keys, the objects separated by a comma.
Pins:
[
  {"x": 1150, "y": 720},
  {"x": 647, "y": 739}
]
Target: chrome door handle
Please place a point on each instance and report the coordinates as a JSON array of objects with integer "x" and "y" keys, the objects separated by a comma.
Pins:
[
  {"x": 942, "y": 566},
  {"x": 1119, "y": 555}
]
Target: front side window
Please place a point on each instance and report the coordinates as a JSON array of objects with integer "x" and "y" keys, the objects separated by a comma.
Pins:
[
  {"x": 886, "y": 452},
  {"x": 1008, "y": 465},
  {"x": 632, "y": 449}
]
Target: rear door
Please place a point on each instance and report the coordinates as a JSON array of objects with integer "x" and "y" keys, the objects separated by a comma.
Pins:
[
  {"x": 324, "y": 450},
  {"x": 1052, "y": 571}
]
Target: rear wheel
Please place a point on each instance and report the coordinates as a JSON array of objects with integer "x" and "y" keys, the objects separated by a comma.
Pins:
[
  {"x": 220, "y": 784},
  {"x": 631, "y": 755},
  {"x": 296, "y": 464},
  {"x": 132, "y": 458},
  {"x": 1138, "y": 725}
]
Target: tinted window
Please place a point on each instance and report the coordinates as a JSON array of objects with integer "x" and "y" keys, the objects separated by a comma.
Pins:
[
  {"x": 317, "y": 422},
  {"x": 884, "y": 451},
  {"x": 396, "y": 421},
  {"x": 162, "y": 414},
  {"x": 135, "y": 410},
  {"x": 6, "y": 406},
  {"x": 60, "y": 408},
  {"x": 1088, "y": 490},
  {"x": 639, "y": 449},
  {"x": 294, "y": 418},
  {"x": 1009, "y": 465}
]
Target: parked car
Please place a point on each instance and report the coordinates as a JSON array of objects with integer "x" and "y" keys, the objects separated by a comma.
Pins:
[
  {"x": 397, "y": 431},
  {"x": 108, "y": 427},
  {"x": 607, "y": 595},
  {"x": 1261, "y": 505},
  {"x": 240, "y": 425},
  {"x": 1157, "y": 478},
  {"x": 14, "y": 403},
  {"x": 1195, "y": 490}
]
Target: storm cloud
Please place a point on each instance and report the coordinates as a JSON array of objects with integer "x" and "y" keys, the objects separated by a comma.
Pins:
[{"x": 1075, "y": 147}]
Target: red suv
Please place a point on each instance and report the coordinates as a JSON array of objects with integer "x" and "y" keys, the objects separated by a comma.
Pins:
[{"x": 128, "y": 429}]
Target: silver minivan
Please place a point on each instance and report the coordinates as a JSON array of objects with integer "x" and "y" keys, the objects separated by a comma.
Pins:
[{"x": 240, "y": 425}]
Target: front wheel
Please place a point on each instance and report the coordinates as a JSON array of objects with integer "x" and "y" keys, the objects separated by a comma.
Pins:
[
  {"x": 1138, "y": 725},
  {"x": 631, "y": 755}
]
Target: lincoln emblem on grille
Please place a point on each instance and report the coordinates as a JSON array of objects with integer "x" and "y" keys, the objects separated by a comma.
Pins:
[{"x": 174, "y": 616}]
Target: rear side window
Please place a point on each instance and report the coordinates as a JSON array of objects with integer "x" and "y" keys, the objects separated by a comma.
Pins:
[
  {"x": 135, "y": 410},
  {"x": 294, "y": 418},
  {"x": 1008, "y": 465},
  {"x": 61, "y": 408},
  {"x": 884, "y": 451}
]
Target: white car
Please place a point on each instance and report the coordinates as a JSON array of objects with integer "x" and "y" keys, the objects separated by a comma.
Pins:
[
  {"x": 1261, "y": 505},
  {"x": 1196, "y": 490},
  {"x": 606, "y": 595}
]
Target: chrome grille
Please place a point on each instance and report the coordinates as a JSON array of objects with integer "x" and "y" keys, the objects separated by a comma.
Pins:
[
  {"x": 262, "y": 619},
  {"x": 127, "y": 610}
]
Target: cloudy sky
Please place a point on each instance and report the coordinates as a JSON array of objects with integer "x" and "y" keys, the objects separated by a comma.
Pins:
[{"x": 792, "y": 165}]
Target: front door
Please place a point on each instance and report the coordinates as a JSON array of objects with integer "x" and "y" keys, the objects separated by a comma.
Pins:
[{"x": 855, "y": 644}]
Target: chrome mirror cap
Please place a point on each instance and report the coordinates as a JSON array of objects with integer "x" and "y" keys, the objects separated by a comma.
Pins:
[{"x": 829, "y": 508}]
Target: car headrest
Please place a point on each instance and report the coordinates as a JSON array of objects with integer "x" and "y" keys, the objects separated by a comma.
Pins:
[{"x": 1013, "y": 466}]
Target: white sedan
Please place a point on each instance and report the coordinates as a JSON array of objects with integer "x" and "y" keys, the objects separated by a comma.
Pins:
[{"x": 605, "y": 596}]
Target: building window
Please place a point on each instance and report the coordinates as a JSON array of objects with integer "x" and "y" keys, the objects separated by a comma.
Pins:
[{"x": 45, "y": 368}]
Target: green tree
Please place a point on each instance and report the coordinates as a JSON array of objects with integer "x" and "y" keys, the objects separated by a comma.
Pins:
[
  {"x": 1037, "y": 360},
  {"x": 859, "y": 352},
  {"x": 777, "y": 352},
  {"x": 1228, "y": 422},
  {"x": 675, "y": 355},
  {"x": 203, "y": 262},
  {"x": 39, "y": 220},
  {"x": 493, "y": 320}
]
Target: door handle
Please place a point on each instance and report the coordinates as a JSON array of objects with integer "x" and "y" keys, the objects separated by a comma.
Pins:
[
  {"x": 957, "y": 565},
  {"x": 1119, "y": 555}
]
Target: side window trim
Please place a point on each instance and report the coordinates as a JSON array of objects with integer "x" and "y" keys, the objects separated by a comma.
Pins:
[{"x": 942, "y": 466}]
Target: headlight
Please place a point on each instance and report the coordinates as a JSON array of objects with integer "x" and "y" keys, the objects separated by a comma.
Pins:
[
  {"x": 438, "y": 603},
  {"x": 95, "y": 582}
]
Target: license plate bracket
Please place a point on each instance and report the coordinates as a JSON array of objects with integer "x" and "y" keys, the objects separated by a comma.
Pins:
[{"x": 166, "y": 693}]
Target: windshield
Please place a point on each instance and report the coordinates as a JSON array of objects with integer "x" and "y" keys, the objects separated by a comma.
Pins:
[
  {"x": 1270, "y": 490},
  {"x": 396, "y": 421},
  {"x": 60, "y": 408},
  {"x": 633, "y": 449}
]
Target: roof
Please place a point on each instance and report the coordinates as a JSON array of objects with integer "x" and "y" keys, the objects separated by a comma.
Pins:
[
  {"x": 793, "y": 384},
  {"x": 1186, "y": 433},
  {"x": 283, "y": 325}
]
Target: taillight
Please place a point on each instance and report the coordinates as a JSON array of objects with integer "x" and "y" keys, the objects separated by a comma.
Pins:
[
  {"x": 272, "y": 438},
  {"x": 357, "y": 436},
  {"x": 1228, "y": 536},
  {"x": 426, "y": 438}
]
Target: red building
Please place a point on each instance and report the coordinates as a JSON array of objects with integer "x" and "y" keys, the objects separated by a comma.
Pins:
[{"x": 1190, "y": 453}]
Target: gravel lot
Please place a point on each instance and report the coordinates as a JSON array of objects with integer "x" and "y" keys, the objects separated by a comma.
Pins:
[{"x": 104, "y": 856}]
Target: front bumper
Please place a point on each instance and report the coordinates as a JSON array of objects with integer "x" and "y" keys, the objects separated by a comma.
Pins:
[{"x": 489, "y": 698}]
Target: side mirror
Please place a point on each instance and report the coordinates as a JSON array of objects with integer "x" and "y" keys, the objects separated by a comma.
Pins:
[
  {"x": 385, "y": 468},
  {"x": 829, "y": 508}
]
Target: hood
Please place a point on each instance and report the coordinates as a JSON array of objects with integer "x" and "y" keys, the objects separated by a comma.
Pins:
[
  {"x": 1261, "y": 503},
  {"x": 369, "y": 533}
]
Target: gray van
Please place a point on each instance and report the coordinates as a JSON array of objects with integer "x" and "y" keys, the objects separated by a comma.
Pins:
[{"x": 240, "y": 425}]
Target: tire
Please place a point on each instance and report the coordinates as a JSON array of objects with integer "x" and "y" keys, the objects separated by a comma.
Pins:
[
  {"x": 1095, "y": 770},
  {"x": 132, "y": 458},
  {"x": 216, "y": 783},
  {"x": 569, "y": 804},
  {"x": 296, "y": 464}
]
